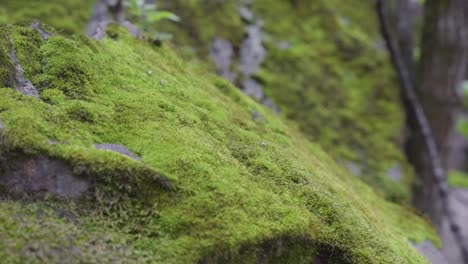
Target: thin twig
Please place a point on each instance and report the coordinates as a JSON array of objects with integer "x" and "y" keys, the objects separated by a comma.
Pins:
[{"x": 416, "y": 108}]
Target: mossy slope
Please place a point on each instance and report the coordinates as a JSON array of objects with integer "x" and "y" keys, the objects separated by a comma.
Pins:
[
  {"x": 326, "y": 69},
  {"x": 233, "y": 184}
]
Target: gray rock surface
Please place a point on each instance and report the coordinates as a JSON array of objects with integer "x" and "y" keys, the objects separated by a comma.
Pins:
[
  {"x": 21, "y": 83},
  {"x": 246, "y": 14},
  {"x": 221, "y": 53},
  {"x": 431, "y": 253},
  {"x": 253, "y": 89},
  {"x": 117, "y": 148},
  {"x": 252, "y": 52},
  {"x": 395, "y": 173},
  {"x": 106, "y": 12},
  {"x": 354, "y": 168},
  {"x": 37, "y": 176},
  {"x": 37, "y": 27}
]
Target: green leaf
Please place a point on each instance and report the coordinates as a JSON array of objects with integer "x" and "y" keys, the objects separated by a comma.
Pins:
[{"x": 161, "y": 15}]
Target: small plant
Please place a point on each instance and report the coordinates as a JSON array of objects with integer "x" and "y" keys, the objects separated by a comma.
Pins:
[{"x": 146, "y": 16}]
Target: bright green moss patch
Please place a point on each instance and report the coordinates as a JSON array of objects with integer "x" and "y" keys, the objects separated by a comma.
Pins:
[
  {"x": 213, "y": 182},
  {"x": 458, "y": 179},
  {"x": 326, "y": 69}
]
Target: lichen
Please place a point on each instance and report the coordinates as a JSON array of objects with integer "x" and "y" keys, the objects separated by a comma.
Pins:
[{"x": 212, "y": 183}]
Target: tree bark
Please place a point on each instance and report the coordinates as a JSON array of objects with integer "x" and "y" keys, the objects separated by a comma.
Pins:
[
  {"x": 441, "y": 70},
  {"x": 408, "y": 12}
]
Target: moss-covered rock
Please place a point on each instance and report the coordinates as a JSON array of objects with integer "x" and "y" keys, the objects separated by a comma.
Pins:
[
  {"x": 213, "y": 182},
  {"x": 326, "y": 69}
]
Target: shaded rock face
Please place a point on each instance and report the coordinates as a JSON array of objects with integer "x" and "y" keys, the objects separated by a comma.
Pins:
[
  {"x": 221, "y": 53},
  {"x": 252, "y": 52},
  {"x": 23, "y": 175}
]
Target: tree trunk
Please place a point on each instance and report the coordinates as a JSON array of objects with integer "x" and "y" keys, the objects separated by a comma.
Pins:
[
  {"x": 408, "y": 12},
  {"x": 442, "y": 68}
]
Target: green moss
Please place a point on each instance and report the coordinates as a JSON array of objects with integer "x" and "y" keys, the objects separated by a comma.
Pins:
[
  {"x": 458, "y": 179},
  {"x": 334, "y": 81},
  {"x": 212, "y": 181},
  {"x": 70, "y": 16},
  {"x": 7, "y": 69},
  {"x": 47, "y": 233}
]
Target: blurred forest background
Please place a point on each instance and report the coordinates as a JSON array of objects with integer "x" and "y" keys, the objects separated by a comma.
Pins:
[{"x": 380, "y": 85}]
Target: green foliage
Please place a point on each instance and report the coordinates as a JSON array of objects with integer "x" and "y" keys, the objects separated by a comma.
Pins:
[
  {"x": 458, "y": 179},
  {"x": 68, "y": 16},
  {"x": 212, "y": 183},
  {"x": 147, "y": 17}
]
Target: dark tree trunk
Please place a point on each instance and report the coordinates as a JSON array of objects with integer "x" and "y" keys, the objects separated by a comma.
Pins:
[{"x": 442, "y": 68}]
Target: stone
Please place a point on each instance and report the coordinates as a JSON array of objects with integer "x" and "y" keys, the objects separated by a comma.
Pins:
[
  {"x": 432, "y": 254},
  {"x": 22, "y": 84},
  {"x": 253, "y": 89},
  {"x": 246, "y": 14},
  {"x": 395, "y": 173},
  {"x": 37, "y": 27},
  {"x": 252, "y": 52},
  {"x": 36, "y": 176},
  {"x": 354, "y": 168},
  {"x": 221, "y": 54},
  {"x": 117, "y": 148}
]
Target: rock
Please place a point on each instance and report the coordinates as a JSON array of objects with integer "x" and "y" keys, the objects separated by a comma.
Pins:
[
  {"x": 270, "y": 104},
  {"x": 101, "y": 18},
  {"x": 22, "y": 84},
  {"x": 246, "y": 14},
  {"x": 221, "y": 53},
  {"x": 37, "y": 27},
  {"x": 395, "y": 173},
  {"x": 252, "y": 88},
  {"x": 131, "y": 28},
  {"x": 354, "y": 168},
  {"x": 252, "y": 52},
  {"x": 37, "y": 176},
  {"x": 99, "y": 15},
  {"x": 433, "y": 254},
  {"x": 117, "y": 148}
]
